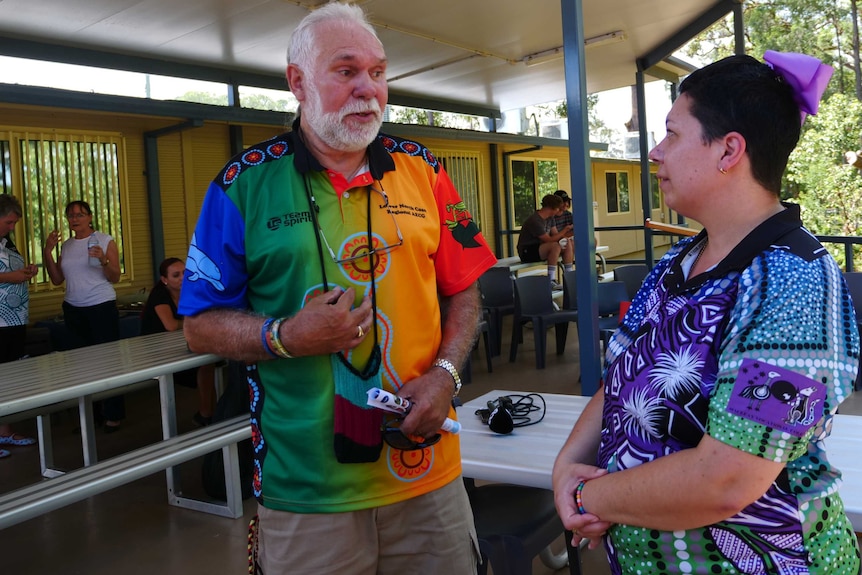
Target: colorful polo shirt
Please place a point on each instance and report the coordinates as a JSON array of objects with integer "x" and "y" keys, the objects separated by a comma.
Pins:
[
  {"x": 257, "y": 247},
  {"x": 758, "y": 353}
]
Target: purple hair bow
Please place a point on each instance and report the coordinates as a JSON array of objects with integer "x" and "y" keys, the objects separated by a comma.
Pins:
[{"x": 807, "y": 75}]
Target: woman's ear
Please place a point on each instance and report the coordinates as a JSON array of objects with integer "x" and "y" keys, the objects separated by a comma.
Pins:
[{"x": 734, "y": 151}]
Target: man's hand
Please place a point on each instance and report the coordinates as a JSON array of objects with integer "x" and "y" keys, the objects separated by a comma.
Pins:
[
  {"x": 431, "y": 397},
  {"x": 327, "y": 324}
]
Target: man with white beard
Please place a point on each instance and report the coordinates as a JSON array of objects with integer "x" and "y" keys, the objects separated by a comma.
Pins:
[{"x": 334, "y": 259}]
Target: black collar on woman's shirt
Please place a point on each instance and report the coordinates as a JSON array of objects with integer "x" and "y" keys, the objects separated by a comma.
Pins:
[
  {"x": 776, "y": 230},
  {"x": 379, "y": 160}
]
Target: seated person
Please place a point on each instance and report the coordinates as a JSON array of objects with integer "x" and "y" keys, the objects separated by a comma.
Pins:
[
  {"x": 565, "y": 217},
  {"x": 160, "y": 315},
  {"x": 540, "y": 239}
]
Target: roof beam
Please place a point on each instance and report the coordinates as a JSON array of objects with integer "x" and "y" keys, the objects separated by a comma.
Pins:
[
  {"x": 29, "y": 49},
  {"x": 719, "y": 10}
]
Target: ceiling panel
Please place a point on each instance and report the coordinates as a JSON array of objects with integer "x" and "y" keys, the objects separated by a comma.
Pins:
[{"x": 469, "y": 51}]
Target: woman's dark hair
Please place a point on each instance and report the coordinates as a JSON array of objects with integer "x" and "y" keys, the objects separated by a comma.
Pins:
[
  {"x": 85, "y": 207},
  {"x": 741, "y": 94},
  {"x": 163, "y": 271}
]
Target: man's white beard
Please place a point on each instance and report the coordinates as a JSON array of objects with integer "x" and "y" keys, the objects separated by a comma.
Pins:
[{"x": 331, "y": 127}]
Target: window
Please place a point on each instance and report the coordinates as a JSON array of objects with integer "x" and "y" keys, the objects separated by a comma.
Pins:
[
  {"x": 656, "y": 192},
  {"x": 54, "y": 169},
  {"x": 5, "y": 168},
  {"x": 463, "y": 170},
  {"x": 617, "y": 187},
  {"x": 531, "y": 179}
]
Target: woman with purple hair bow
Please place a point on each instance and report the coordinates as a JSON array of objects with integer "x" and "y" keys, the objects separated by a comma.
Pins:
[{"x": 702, "y": 452}]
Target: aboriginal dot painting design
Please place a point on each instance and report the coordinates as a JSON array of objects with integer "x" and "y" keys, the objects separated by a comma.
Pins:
[
  {"x": 255, "y": 396},
  {"x": 409, "y": 465},
  {"x": 359, "y": 270},
  {"x": 395, "y": 145},
  {"x": 663, "y": 388},
  {"x": 264, "y": 152}
]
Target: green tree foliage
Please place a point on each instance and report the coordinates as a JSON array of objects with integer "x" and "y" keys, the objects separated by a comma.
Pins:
[
  {"x": 830, "y": 190},
  {"x": 818, "y": 177}
]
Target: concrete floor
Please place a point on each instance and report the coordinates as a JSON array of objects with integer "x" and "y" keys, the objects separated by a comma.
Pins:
[{"x": 132, "y": 530}]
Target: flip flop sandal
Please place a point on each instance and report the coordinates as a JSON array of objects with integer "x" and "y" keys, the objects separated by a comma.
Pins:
[
  {"x": 16, "y": 439},
  {"x": 5, "y": 453}
]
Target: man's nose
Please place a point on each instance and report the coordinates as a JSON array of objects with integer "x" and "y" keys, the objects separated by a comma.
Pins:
[{"x": 366, "y": 87}]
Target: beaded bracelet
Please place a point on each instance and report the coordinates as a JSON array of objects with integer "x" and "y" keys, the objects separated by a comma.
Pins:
[
  {"x": 264, "y": 334},
  {"x": 579, "y": 500},
  {"x": 275, "y": 339}
]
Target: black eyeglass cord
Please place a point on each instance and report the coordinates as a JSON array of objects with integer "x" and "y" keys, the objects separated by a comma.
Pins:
[{"x": 312, "y": 206}]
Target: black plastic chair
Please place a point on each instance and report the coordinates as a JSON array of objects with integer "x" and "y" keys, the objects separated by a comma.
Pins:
[
  {"x": 854, "y": 285},
  {"x": 516, "y": 523},
  {"x": 633, "y": 276},
  {"x": 570, "y": 291},
  {"x": 485, "y": 329},
  {"x": 534, "y": 304},
  {"x": 610, "y": 296},
  {"x": 498, "y": 300}
]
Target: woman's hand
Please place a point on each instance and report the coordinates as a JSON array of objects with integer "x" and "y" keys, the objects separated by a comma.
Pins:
[
  {"x": 583, "y": 526},
  {"x": 51, "y": 241}
]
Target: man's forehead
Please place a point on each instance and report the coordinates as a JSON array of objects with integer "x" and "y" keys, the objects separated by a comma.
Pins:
[{"x": 347, "y": 41}]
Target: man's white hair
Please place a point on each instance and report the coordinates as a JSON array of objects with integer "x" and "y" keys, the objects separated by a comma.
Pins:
[{"x": 302, "y": 46}]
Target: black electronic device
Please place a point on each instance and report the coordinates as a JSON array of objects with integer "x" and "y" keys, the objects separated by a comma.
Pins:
[
  {"x": 507, "y": 412},
  {"x": 500, "y": 418}
]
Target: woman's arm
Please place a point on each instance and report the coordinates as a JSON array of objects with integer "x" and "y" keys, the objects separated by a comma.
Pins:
[
  {"x": 55, "y": 271},
  {"x": 684, "y": 490},
  {"x": 576, "y": 462},
  {"x": 110, "y": 261},
  {"x": 166, "y": 315}
]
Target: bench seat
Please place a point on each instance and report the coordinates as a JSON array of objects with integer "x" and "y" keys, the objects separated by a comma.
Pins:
[{"x": 50, "y": 494}]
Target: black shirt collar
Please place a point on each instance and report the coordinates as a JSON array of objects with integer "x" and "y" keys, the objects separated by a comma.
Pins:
[
  {"x": 379, "y": 160},
  {"x": 759, "y": 239}
]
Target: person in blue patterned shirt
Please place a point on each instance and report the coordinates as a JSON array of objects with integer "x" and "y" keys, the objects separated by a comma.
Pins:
[{"x": 703, "y": 450}]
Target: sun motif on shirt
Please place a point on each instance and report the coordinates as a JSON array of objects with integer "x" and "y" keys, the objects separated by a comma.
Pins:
[
  {"x": 410, "y": 465},
  {"x": 359, "y": 270}
]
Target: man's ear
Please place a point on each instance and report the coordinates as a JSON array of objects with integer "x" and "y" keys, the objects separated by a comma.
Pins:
[
  {"x": 734, "y": 150},
  {"x": 296, "y": 81}
]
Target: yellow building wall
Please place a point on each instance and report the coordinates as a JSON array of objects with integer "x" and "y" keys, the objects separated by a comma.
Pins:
[{"x": 189, "y": 159}]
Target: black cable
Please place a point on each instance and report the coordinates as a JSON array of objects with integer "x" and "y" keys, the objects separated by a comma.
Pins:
[{"x": 523, "y": 406}]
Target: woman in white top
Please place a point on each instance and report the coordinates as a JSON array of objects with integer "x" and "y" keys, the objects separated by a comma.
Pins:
[{"x": 89, "y": 263}]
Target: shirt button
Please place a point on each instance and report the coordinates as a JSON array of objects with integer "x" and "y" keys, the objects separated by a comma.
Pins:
[{"x": 345, "y": 195}]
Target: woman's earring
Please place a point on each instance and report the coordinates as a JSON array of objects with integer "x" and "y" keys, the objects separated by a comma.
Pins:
[{"x": 722, "y": 170}]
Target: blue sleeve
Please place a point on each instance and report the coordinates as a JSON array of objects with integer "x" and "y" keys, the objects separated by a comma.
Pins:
[{"x": 216, "y": 275}]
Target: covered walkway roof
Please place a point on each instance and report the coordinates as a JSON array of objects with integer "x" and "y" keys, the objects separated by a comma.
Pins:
[
  {"x": 479, "y": 57},
  {"x": 472, "y": 56}
]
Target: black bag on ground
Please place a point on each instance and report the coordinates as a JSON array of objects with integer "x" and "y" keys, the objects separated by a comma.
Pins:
[{"x": 234, "y": 401}]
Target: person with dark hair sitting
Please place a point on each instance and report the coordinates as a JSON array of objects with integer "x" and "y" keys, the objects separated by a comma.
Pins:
[
  {"x": 540, "y": 239},
  {"x": 160, "y": 315}
]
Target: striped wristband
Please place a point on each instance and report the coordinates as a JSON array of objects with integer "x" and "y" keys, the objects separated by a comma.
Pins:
[
  {"x": 579, "y": 500},
  {"x": 275, "y": 339},
  {"x": 264, "y": 337}
]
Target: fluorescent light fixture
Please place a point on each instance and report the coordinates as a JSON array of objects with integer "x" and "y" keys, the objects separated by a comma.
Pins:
[
  {"x": 605, "y": 39},
  {"x": 557, "y": 53},
  {"x": 544, "y": 56}
]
